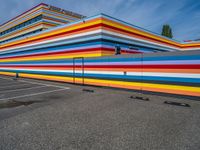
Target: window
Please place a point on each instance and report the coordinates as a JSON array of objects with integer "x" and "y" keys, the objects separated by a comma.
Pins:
[
  {"x": 22, "y": 35},
  {"x": 22, "y": 25}
]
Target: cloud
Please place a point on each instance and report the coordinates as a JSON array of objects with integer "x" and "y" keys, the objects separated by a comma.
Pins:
[{"x": 183, "y": 16}]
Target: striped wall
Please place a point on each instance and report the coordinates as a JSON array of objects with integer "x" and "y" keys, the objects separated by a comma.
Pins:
[
  {"x": 152, "y": 63},
  {"x": 169, "y": 72}
]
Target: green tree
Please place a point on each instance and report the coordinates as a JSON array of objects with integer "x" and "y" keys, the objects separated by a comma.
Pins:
[{"x": 167, "y": 31}]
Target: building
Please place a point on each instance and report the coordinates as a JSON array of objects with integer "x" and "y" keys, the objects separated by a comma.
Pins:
[
  {"x": 39, "y": 18},
  {"x": 104, "y": 51}
]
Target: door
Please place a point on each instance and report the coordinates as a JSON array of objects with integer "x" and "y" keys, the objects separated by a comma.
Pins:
[{"x": 78, "y": 70}]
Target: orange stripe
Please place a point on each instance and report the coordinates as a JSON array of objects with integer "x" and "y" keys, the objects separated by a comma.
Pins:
[
  {"x": 99, "y": 83},
  {"x": 46, "y": 35},
  {"x": 63, "y": 35},
  {"x": 138, "y": 37},
  {"x": 172, "y": 91},
  {"x": 149, "y": 35}
]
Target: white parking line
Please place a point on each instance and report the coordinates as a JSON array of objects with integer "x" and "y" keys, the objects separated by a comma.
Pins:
[
  {"x": 36, "y": 83},
  {"x": 7, "y": 91},
  {"x": 39, "y": 83},
  {"x": 28, "y": 95}
]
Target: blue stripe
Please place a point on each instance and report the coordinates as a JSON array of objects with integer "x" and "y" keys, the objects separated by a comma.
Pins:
[
  {"x": 150, "y": 78},
  {"x": 107, "y": 60}
]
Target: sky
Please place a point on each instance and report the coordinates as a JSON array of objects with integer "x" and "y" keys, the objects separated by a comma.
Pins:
[{"x": 182, "y": 15}]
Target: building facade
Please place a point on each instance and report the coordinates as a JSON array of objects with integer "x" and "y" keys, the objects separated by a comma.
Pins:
[
  {"x": 37, "y": 19},
  {"x": 104, "y": 51}
]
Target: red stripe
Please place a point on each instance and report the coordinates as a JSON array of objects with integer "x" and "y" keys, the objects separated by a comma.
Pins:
[
  {"x": 84, "y": 28},
  {"x": 54, "y": 53},
  {"x": 145, "y": 37},
  {"x": 71, "y": 51},
  {"x": 100, "y": 24},
  {"x": 55, "y": 35},
  {"x": 185, "y": 66}
]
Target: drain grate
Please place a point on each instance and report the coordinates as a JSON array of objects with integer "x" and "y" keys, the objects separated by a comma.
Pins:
[
  {"x": 140, "y": 98},
  {"x": 88, "y": 90},
  {"x": 176, "y": 103}
]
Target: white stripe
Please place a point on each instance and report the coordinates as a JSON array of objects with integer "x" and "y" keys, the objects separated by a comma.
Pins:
[
  {"x": 158, "y": 74},
  {"x": 88, "y": 33},
  {"x": 57, "y": 39},
  {"x": 136, "y": 39},
  {"x": 38, "y": 83},
  {"x": 98, "y": 31},
  {"x": 28, "y": 95},
  {"x": 186, "y": 49},
  {"x": 70, "y": 71},
  {"x": 105, "y": 72}
]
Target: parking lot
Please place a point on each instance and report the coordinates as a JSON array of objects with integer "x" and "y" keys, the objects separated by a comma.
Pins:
[{"x": 36, "y": 114}]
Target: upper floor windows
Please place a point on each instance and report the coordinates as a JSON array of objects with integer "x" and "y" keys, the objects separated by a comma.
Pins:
[
  {"x": 23, "y": 35},
  {"x": 28, "y": 22}
]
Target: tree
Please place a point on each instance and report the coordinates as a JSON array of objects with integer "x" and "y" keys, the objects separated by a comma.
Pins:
[{"x": 167, "y": 31}]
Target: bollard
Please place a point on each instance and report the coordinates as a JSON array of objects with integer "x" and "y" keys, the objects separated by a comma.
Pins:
[{"x": 17, "y": 75}]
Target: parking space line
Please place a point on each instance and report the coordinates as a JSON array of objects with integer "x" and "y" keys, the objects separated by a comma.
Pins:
[
  {"x": 39, "y": 83},
  {"x": 36, "y": 83},
  {"x": 34, "y": 94},
  {"x": 7, "y": 91}
]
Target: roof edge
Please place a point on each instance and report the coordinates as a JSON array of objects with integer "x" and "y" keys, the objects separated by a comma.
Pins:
[{"x": 24, "y": 13}]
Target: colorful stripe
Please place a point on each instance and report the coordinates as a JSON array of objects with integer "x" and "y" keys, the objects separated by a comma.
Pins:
[{"x": 83, "y": 52}]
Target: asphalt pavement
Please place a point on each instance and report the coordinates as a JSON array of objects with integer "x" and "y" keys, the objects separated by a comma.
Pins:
[{"x": 36, "y": 114}]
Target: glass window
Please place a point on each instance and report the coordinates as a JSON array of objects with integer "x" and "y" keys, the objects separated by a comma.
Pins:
[{"x": 22, "y": 24}]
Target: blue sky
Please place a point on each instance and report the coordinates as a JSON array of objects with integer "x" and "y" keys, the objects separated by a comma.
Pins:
[{"x": 182, "y": 15}]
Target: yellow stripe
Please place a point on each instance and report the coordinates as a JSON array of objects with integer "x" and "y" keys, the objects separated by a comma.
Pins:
[
  {"x": 133, "y": 30},
  {"x": 107, "y": 22},
  {"x": 111, "y": 82},
  {"x": 8, "y": 73},
  {"x": 153, "y": 85},
  {"x": 53, "y": 57},
  {"x": 140, "y": 32},
  {"x": 65, "y": 29}
]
